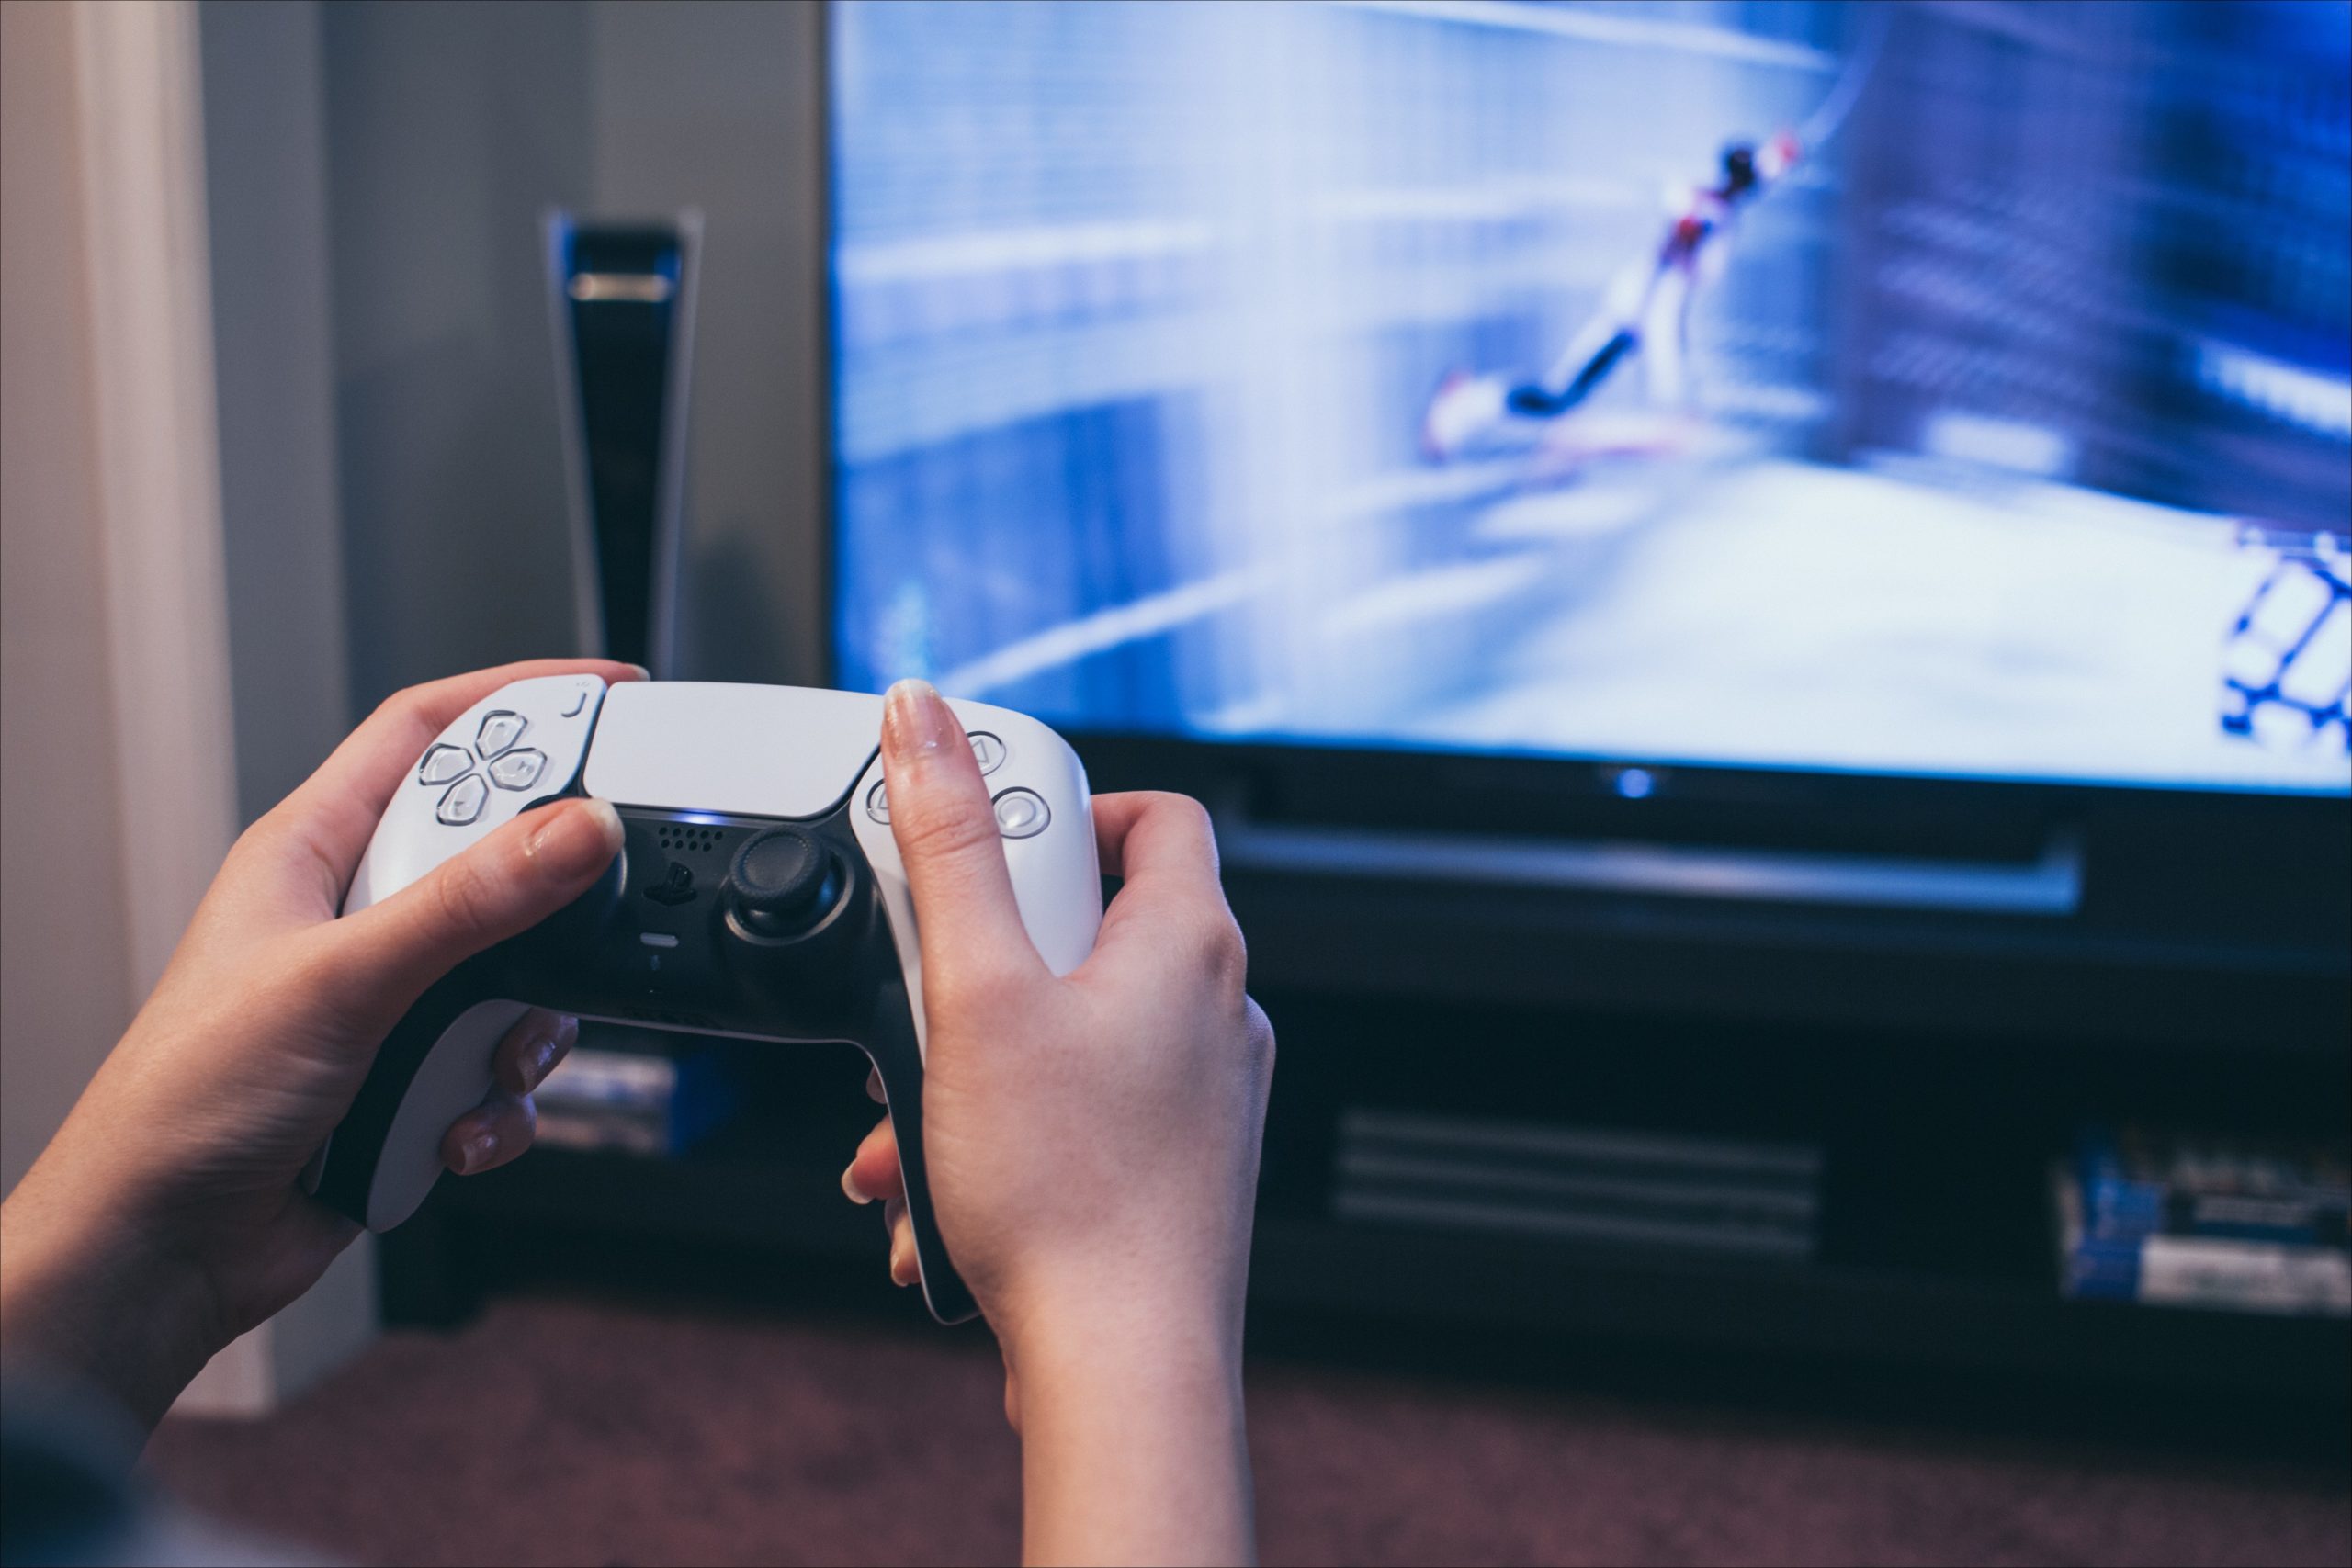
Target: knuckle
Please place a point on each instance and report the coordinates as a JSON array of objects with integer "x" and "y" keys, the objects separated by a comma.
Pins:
[
  {"x": 261, "y": 834},
  {"x": 1197, "y": 813},
  {"x": 1217, "y": 946},
  {"x": 264, "y": 839},
  {"x": 1260, "y": 1038},
  {"x": 1191, "y": 812},
  {"x": 406, "y": 706}
]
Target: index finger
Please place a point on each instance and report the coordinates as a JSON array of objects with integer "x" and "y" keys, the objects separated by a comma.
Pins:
[{"x": 335, "y": 811}]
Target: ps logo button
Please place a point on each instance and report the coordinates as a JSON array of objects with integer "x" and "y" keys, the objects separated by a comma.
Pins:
[
  {"x": 517, "y": 769},
  {"x": 987, "y": 751},
  {"x": 463, "y": 802},
  {"x": 877, "y": 803},
  {"x": 674, "y": 889},
  {"x": 443, "y": 764},
  {"x": 499, "y": 731},
  {"x": 1020, "y": 814}
]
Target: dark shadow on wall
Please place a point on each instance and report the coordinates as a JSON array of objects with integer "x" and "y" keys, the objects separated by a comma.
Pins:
[{"x": 450, "y": 128}]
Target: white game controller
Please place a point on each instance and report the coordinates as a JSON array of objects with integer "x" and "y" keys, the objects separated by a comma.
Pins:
[{"x": 757, "y": 894}]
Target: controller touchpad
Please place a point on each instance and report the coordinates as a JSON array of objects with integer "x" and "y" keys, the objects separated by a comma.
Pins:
[{"x": 747, "y": 750}]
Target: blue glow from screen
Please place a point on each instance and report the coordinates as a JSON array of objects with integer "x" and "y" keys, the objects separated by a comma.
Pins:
[{"x": 1961, "y": 392}]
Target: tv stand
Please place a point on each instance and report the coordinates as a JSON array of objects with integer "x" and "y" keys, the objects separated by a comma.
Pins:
[{"x": 2049, "y": 884}]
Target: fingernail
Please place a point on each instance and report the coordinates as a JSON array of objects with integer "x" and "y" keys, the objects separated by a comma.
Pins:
[
  {"x": 849, "y": 1184},
  {"x": 902, "y": 1261},
  {"x": 575, "y": 840},
  {"x": 477, "y": 1152},
  {"x": 539, "y": 1060},
  {"x": 916, "y": 724},
  {"x": 642, "y": 672}
]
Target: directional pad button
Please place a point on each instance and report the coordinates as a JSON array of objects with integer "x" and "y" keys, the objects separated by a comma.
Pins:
[
  {"x": 443, "y": 764},
  {"x": 499, "y": 732},
  {"x": 518, "y": 770},
  {"x": 463, "y": 802}
]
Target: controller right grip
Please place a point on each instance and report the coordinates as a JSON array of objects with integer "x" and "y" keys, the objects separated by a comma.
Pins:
[
  {"x": 433, "y": 1067},
  {"x": 891, "y": 1044}
]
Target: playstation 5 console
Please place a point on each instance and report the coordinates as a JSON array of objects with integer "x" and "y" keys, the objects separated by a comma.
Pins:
[{"x": 623, "y": 302}]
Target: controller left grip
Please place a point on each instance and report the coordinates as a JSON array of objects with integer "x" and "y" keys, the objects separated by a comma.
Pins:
[{"x": 433, "y": 1067}]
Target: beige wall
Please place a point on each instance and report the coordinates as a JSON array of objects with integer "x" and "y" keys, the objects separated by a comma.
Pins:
[
  {"x": 66, "y": 984},
  {"x": 122, "y": 748}
]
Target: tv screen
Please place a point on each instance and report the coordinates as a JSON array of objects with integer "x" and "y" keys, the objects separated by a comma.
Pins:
[{"x": 1961, "y": 391}]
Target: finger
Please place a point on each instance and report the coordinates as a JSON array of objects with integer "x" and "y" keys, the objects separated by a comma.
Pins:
[
  {"x": 874, "y": 1172},
  {"x": 388, "y": 953},
  {"x": 531, "y": 1049},
  {"x": 945, "y": 828},
  {"x": 490, "y": 1134},
  {"x": 904, "y": 1269},
  {"x": 337, "y": 807},
  {"x": 1164, "y": 849},
  {"x": 874, "y": 1086},
  {"x": 1151, "y": 832}
]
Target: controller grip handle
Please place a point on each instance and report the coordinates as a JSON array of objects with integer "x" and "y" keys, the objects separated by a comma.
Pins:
[
  {"x": 384, "y": 1157},
  {"x": 897, "y": 1055}
]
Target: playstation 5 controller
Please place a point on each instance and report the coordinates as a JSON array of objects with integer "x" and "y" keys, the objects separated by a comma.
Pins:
[{"x": 757, "y": 894}]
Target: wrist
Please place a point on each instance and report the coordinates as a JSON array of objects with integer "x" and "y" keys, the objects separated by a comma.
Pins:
[
  {"x": 1181, "y": 1321},
  {"x": 86, "y": 1290},
  {"x": 1134, "y": 1443}
]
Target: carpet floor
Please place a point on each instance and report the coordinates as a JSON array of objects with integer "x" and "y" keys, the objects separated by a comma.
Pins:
[{"x": 563, "y": 1430}]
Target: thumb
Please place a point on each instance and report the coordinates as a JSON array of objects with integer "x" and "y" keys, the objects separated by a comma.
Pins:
[
  {"x": 946, "y": 827},
  {"x": 500, "y": 887}
]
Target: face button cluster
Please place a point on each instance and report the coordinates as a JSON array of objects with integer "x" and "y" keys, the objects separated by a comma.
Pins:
[
  {"x": 1015, "y": 821},
  {"x": 497, "y": 743}
]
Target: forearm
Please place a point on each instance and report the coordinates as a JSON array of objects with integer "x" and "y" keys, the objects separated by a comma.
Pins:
[
  {"x": 89, "y": 1296},
  {"x": 1133, "y": 1446}
]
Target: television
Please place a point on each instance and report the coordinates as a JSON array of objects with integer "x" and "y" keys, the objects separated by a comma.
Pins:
[{"x": 1893, "y": 460}]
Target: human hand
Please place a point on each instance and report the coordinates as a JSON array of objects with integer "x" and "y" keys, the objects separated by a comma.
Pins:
[
  {"x": 167, "y": 1217},
  {"x": 1093, "y": 1146}
]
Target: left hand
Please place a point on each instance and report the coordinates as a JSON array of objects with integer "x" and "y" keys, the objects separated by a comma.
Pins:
[{"x": 165, "y": 1217}]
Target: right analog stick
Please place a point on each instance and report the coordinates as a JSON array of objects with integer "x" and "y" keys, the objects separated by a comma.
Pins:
[{"x": 783, "y": 883}]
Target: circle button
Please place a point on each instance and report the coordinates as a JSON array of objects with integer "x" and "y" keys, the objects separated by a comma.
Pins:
[{"x": 1021, "y": 814}]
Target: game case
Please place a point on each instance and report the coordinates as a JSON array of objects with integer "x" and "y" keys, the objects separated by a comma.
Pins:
[{"x": 2224, "y": 1273}]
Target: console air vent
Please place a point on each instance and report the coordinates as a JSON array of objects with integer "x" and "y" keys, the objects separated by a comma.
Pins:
[{"x": 1582, "y": 1186}]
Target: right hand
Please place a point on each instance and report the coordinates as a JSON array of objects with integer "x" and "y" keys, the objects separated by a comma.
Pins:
[{"x": 1092, "y": 1138}]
